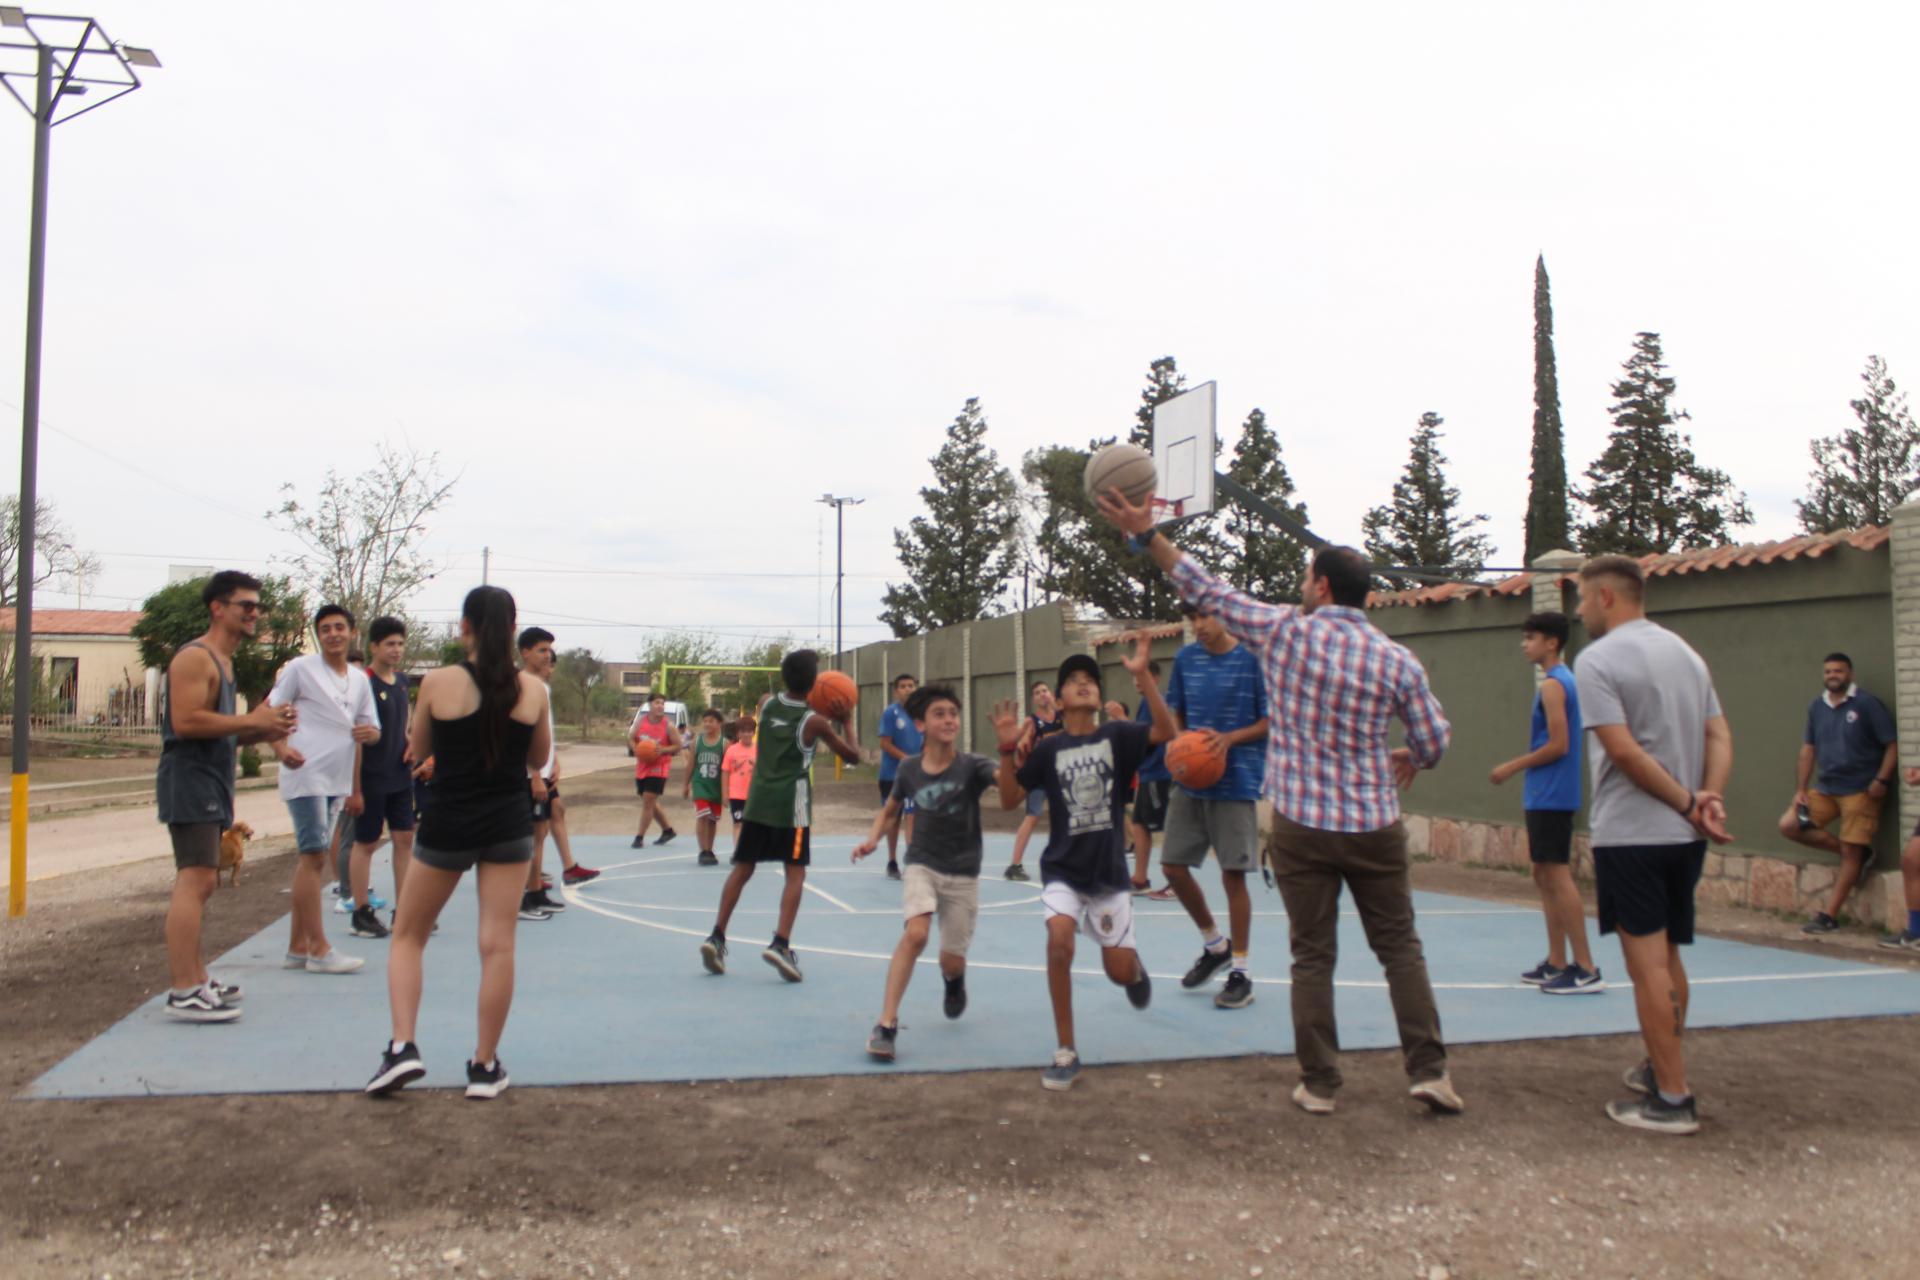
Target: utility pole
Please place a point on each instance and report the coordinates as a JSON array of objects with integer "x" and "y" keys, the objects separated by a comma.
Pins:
[
  {"x": 486, "y": 564},
  {"x": 839, "y": 506}
]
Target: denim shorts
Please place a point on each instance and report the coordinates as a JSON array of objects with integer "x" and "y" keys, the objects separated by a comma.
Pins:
[{"x": 313, "y": 821}]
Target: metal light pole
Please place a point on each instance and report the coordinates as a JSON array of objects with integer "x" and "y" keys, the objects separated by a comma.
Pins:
[
  {"x": 839, "y": 506},
  {"x": 84, "y": 60}
]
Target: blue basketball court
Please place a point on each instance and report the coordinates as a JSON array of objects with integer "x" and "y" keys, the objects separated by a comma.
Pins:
[{"x": 612, "y": 990}]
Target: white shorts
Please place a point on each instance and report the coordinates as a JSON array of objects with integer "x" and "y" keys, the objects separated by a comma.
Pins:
[{"x": 1107, "y": 918}]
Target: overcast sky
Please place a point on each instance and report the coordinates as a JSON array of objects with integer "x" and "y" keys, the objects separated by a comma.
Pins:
[{"x": 652, "y": 278}]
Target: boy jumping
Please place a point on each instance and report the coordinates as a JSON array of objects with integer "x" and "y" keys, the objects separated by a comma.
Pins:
[
  {"x": 1087, "y": 772},
  {"x": 943, "y": 853},
  {"x": 779, "y": 813}
]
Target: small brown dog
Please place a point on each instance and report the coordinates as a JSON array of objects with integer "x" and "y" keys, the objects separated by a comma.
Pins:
[{"x": 233, "y": 850}]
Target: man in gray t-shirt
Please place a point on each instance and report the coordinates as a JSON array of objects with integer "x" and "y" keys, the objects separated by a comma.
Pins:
[{"x": 1663, "y": 755}]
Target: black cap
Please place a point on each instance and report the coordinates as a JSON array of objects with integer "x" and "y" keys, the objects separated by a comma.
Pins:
[{"x": 1078, "y": 662}]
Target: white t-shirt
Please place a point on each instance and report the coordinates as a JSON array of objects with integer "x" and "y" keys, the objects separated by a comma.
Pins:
[
  {"x": 330, "y": 705},
  {"x": 553, "y": 745}
]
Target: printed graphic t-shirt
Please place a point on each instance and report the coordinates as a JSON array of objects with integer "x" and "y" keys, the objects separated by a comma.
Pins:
[
  {"x": 1087, "y": 779},
  {"x": 707, "y": 757},
  {"x": 946, "y": 826}
]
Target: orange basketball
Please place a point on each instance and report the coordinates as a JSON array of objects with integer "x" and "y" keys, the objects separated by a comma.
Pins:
[
  {"x": 1192, "y": 765},
  {"x": 646, "y": 750},
  {"x": 834, "y": 695}
]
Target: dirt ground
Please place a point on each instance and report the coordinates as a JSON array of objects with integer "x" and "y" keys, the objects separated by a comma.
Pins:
[{"x": 1805, "y": 1165}]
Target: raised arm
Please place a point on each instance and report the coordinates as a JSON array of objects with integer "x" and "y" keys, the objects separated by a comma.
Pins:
[
  {"x": 1164, "y": 727},
  {"x": 1008, "y": 728},
  {"x": 1246, "y": 618}
]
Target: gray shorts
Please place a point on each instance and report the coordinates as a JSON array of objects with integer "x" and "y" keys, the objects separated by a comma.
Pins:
[
  {"x": 195, "y": 844},
  {"x": 1230, "y": 828},
  {"x": 508, "y": 851}
]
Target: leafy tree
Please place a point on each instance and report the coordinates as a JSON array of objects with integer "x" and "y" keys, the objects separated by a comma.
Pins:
[
  {"x": 362, "y": 536},
  {"x": 1861, "y": 474},
  {"x": 1075, "y": 553},
  {"x": 54, "y": 555},
  {"x": 1648, "y": 493},
  {"x": 1260, "y": 559},
  {"x": 1422, "y": 526},
  {"x": 1549, "y": 524},
  {"x": 173, "y": 615},
  {"x": 580, "y": 691},
  {"x": 755, "y": 685},
  {"x": 959, "y": 557},
  {"x": 680, "y": 649}
]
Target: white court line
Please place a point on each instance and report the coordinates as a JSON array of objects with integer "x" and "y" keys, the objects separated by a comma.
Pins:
[{"x": 810, "y": 887}]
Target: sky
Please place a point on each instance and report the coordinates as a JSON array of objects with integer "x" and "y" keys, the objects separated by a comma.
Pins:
[{"x": 651, "y": 279}]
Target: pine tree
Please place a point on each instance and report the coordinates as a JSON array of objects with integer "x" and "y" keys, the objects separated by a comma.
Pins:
[
  {"x": 1260, "y": 559},
  {"x": 1648, "y": 493},
  {"x": 1421, "y": 527},
  {"x": 1861, "y": 474},
  {"x": 1549, "y": 525},
  {"x": 959, "y": 556},
  {"x": 1074, "y": 553}
]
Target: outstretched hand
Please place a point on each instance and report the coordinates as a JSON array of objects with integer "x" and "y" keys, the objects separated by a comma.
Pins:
[
  {"x": 1006, "y": 720},
  {"x": 1123, "y": 515},
  {"x": 1136, "y": 664}
]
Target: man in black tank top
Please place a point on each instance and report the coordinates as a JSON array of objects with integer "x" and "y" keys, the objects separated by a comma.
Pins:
[{"x": 193, "y": 787}]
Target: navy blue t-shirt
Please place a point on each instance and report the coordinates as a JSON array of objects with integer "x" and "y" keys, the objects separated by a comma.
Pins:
[
  {"x": 1088, "y": 779},
  {"x": 1849, "y": 741},
  {"x": 381, "y": 771},
  {"x": 1154, "y": 767}
]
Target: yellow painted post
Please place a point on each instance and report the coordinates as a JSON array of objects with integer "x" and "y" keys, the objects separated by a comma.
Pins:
[{"x": 17, "y": 862}]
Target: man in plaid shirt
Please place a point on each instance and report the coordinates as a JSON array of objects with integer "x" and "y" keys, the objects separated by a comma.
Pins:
[{"x": 1334, "y": 684}]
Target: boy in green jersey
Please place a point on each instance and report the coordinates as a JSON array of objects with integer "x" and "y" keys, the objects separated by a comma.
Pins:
[
  {"x": 703, "y": 782},
  {"x": 779, "y": 813}
]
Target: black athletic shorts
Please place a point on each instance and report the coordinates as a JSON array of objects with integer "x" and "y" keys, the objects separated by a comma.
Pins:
[
  {"x": 761, "y": 843},
  {"x": 650, "y": 786},
  {"x": 738, "y": 808},
  {"x": 886, "y": 794},
  {"x": 1550, "y": 836},
  {"x": 1150, "y": 803},
  {"x": 393, "y": 810},
  {"x": 1648, "y": 888}
]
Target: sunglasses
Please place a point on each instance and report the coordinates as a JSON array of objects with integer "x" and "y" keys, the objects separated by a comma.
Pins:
[{"x": 244, "y": 606}]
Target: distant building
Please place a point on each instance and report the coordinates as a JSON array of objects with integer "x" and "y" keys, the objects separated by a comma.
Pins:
[{"x": 92, "y": 665}]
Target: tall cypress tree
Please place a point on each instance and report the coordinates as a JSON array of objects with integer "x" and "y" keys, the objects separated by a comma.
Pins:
[
  {"x": 959, "y": 557},
  {"x": 1422, "y": 526},
  {"x": 1260, "y": 559},
  {"x": 1549, "y": 524}
]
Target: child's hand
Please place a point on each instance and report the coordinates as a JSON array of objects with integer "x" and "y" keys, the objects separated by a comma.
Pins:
[
  {"x": 864, "y": 848},
  {"x": 1137, "y": 664},
  {"x": 1006, "y": 720},
  {"x": 1115, "y": 711},
  {"x": 1216, "y": 742}
]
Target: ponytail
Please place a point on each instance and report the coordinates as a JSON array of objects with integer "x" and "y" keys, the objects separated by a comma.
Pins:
[{"x": 489, "y": 613}]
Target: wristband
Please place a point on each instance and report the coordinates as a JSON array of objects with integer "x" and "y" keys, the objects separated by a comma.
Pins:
[{"x": 1139, "y": 542}]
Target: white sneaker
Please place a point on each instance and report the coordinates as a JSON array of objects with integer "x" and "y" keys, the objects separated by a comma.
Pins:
[
  {"x": 343, "y": 905},
  {"x": 1310, "y": 1102},
  {"x": 294, "y": 960},
  {"x": 334, "y": 962}
]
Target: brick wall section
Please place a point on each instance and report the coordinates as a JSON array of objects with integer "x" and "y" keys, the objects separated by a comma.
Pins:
[{"x": 1905, "y": 548}]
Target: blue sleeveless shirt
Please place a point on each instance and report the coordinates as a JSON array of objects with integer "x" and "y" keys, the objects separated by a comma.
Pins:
[{"x": 1556, "y": 786}]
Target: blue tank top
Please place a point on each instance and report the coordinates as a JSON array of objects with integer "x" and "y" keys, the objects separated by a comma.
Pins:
[{"x": 1556, "y": 786}]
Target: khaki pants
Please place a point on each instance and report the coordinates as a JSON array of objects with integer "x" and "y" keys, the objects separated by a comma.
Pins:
[{"x": 1310, "y": 867}]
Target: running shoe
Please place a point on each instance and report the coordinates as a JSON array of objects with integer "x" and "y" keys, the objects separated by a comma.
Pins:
[
  {"x": 1821, "y": 923},
  {"x": 377, "y": 902},
  {"x": 577, "y": 874},
  {"x": 489, "y": 1081},
  {"x": 1905, "y": 940},
  {"x": 366, "y": 924},
  {"x": 893, "y": 871},
  {"x": 1140, "y": 994},
  {"x": 708, "y": 858},
  {"x": 956, "y": 1001},
  {"x": 781, "y": 957},
  {"x": 202, "y": 1004},
  {"x": 540, "y": 901},
  {"x": 1438, "y": 1094},
  {"x": 1209, "y": 963},
  {"x": 343, "y": 905},
  {"x": 530, "y": 912},
  {"x": 1540, "y": 974},
  {"x": 1017, "y": 872},
  {"x": 1064, "y": 1071},
  {"x": 334, "y": 962},
  {"x": 880, "y": 1042},
  {"x": 1640, "y": 1078},
  {"x": 398, "y": 1068},
  {"x": 1310, "y": 1102},
  {"x": 546, "y": 883},
  {"x": 1574, "y": 981},
  {"x": 1163, "y": 894},
  {"x": 713, "y": 953},
  {"x": 666, "y": 835},
  {"x": 1656, "y": 1115},
  {"x": 294, "y": 960},
  {"x": 1237, "y": 994},
  {"x": 639, "y": 841}
]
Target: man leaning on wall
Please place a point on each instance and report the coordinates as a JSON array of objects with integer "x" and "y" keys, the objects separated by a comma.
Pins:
[{"x": 1850, "y": 741}]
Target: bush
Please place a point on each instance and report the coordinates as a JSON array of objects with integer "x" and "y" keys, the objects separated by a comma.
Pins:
[{"x": 249, "y": 762}]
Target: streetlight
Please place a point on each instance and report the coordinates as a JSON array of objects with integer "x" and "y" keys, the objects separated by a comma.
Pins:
[
  {"x": 840, "y": 506},
  {"x": 83, "y": 59}
]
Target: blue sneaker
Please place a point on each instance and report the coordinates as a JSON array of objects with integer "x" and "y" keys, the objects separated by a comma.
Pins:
[
  {"x": 1574, "y": 981},
  {"x": 1064, "y": 1071},
  {"x": 377, "y": 902},
  {"x": 1540, "y": 974}
]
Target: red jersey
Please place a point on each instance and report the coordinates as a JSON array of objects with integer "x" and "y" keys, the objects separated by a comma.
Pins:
[{"x": 662, "y": 765}]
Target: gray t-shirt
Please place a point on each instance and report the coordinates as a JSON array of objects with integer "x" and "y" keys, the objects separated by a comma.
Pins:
[
  {"x": 1643, "y": 676},
  {"x": 946, "y": 821}
]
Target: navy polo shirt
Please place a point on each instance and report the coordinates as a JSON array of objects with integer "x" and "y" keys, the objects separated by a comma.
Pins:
[{"x": 1849, "y": 741}]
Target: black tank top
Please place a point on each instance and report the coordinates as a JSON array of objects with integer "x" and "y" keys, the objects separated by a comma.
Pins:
[
  {"x": 194, "y": 782},
  {"x": 474, "y": 806}
]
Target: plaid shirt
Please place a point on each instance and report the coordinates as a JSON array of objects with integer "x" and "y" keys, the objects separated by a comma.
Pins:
[{"x": 1333, "y": 682}]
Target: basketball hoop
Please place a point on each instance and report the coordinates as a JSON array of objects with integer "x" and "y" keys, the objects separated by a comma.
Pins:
[{"x": 1174, "y": 507}]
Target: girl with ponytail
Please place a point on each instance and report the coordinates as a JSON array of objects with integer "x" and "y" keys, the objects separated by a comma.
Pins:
[{"x": 483, "y": 722}]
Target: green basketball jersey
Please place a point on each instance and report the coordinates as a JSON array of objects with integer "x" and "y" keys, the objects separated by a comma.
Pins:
[
  {"x": 779, "y": 795},
  {"x": 706, "y": 768}
]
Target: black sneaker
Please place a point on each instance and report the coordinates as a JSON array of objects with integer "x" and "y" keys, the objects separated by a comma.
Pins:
[
  {"x": 1821, "y": 923},
  {"x": 1140, "y": 994},
  {"x": 202, "y": 1004},
  {"x": 398, "y": 1068},
  {"x": 707, "y": 858},
  {"x": 528, "y": 911},
  {"x": 639, "y": 841},
  {"x": 488, "y": 1081},
  {"x": 1209, "y": 963},
  {"x": 880, "y": 1042},
  {"x": 540, "y": 900},
  {"x": 1540, "y": 974},
  {"x": 1655, "y": 1114},
  {"x": 713, "y": 953},
  {"x": 666, "y": 835},
  {"x": 1237, "y": 994},
  {"x": 893, "y": 871},
  {"x": 366, "y": 924},
  {"x": 1640, "y": 1078},
  {"x": 1017, "y": 872},
  {"x": 781, "y": 957},
  {"x": 956, "y": 1002}
]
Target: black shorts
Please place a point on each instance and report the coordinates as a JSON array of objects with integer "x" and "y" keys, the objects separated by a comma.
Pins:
[
  {"x": 738, "y": 808},
  {"x": 886, "y": 794},
  {"x": 519, "y": 849},
  {"x": 195, "y": 844},
  {"x": 1150, "y": 803},
  {"x": 543, "y": 809},
  {"x": 1550, "y": 836},
  {"x": 1648, "y": 888},
  {"x": 650, "y": 786},
  {"x": 393, "y": 810},
  {"x": 761, "y": 843}
]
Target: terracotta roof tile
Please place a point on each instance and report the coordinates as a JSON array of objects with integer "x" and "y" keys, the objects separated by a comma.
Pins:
[{"x": 77, "y": 622}]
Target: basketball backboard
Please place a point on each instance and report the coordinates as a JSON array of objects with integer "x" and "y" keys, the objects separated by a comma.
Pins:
[{"x": 1183, "y": 451}]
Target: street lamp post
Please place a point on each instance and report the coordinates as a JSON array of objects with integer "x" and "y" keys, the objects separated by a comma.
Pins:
[
  {"x": 69, "y": 58},
  {"x": 839, "y": 506}
]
